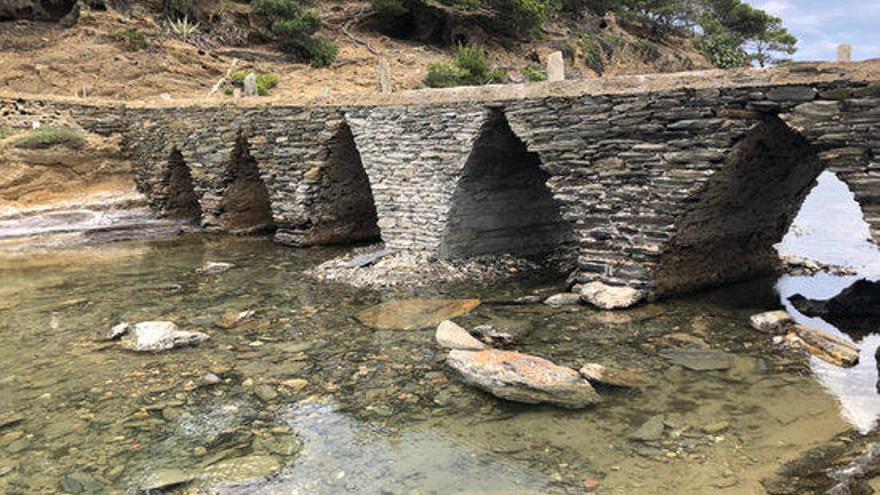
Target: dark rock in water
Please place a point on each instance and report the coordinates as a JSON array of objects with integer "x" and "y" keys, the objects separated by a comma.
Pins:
[
  {"x": 523, "y": 378},
  {"x": 856, "y": 310},
  {"x": 503, "y": 330},
  {"x": 699, "y": 359},
  {"x": 650, "y": 431}
]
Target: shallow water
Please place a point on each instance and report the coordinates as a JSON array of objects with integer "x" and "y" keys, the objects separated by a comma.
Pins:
[{"x": 379, "y": 413}]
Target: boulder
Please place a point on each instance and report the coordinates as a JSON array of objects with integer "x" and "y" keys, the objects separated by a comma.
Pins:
[
  {"x": 772, "y": 322},
  {"x": 452, "y": 336},
  {"x": 165, "y": 479},
  {"x": 156, "y": 336},
  {"x": 597, "y": 373},
  {"x": 522, "y": 378},
  {"x": 609, "y": 297}
]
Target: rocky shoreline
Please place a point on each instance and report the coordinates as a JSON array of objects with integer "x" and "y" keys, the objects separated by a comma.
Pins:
[{"x": 375, "y": 267}]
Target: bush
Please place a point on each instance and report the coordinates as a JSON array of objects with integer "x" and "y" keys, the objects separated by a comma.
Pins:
[
  {"x": 470, "y": 69},
  {"x": 48, "y": 136},
  {"x": 723, "y": 51},
  {"x": 293, "y": 24},
  {"x": 3, "y": 134},
  {"x": 526, "y": 15},
  {"x": 535, "y": 73},
  {"x": 265, "y": 82},
  {"x": 131, "y": 40}
]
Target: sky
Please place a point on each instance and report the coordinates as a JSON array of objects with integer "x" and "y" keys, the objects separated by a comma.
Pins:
[{"x": 821, "y": 25}]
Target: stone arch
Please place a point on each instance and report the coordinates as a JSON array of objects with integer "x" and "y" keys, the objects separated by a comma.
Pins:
[
  {"x": 345, "y": 210},
  {"x": 180, "y": 200},
  {"x": 244, "y": 206},
  {"x": 501, "y": 202},
  {"x": 729, "y": 228}
]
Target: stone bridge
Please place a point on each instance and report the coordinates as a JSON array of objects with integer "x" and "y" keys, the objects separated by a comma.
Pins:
[{"x": 663, "y": 183}]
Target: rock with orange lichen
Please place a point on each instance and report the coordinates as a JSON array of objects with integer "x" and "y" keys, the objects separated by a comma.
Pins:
[{"x": 523, "y": 378}]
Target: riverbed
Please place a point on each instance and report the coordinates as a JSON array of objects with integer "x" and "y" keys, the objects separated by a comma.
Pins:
[{"x": 311, "y": 401}]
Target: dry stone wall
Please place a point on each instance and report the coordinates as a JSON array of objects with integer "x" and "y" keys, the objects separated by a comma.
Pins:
[{"x": 664, "y": 190}]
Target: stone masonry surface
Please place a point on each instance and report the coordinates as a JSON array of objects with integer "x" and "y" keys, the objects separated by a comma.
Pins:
[{"x": 667, "y": 182}]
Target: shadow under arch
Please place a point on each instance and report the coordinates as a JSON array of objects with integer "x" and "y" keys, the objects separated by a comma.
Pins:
[
  {"x": 345, "y": 210},
  {"x": 245, "y": 207},
  {"x": 180, "y": 202},
  {"x": 729, "y": 230},
  {"x": 501, "y": 202}
]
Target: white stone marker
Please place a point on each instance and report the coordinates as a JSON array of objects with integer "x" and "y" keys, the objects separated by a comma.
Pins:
[
  {"x": 844, "y": 53},
  {"x": 383, "y": 76},
  {"x": 555, "y": 67},
  {"x": 250, "y": 85}
]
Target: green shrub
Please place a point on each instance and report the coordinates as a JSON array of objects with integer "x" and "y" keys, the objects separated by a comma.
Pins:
[
  {"x": 526, "y": 15},
  {"x": 265, "y": 82},
  {"x": 470, "y": 69},
  {"x": 3, "y": 134},
  {"x": 293, "y": 24},
  {"x": 131, "y": 40},
  {"x": 535, "y": 73},
  {"x": 390, "y": 9},
  {"x": 723, "y": 50},
  {"x": 47, "y": 136}
]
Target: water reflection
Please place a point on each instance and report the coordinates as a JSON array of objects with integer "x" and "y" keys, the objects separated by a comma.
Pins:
[{"x": 830, "y": 228}]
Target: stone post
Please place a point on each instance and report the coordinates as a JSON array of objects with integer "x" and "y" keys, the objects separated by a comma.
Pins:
[
  {"x": 250, "y": 85},
  {"x": 844, "y": 53},
  {"x": 555, "y": 67},
  {"x": 383, "y": 76}
]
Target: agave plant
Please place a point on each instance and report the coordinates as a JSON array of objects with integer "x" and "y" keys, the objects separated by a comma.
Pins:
[{"x": 183, "y": 27}]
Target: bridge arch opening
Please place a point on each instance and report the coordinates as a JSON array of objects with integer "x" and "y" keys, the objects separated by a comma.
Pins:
[
  {"x": 501, "y": 203},
  {"x": 245, "y": 207},
  {"x": 730, "y": 228},
  {"x": 346, "y": 210},
  {"x": 181, "y": 202},
  {"x": 831, "y": 227}
]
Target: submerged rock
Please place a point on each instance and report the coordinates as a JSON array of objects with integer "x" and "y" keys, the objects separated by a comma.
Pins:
[
  {"x": 609, "y": 297},
  {"x": 411, "y": 314},
  {"x": 825, "y": 346},
  {"x": 10, "y": 418},
  {"x": 214, "y": 267},
  {"x": 164, "y": 479},
  {"x": 563, "y": 299},
  {"x": 650, "y": 431},
  {"x": 242, "y": 469},
  {"x": 155, "y": 336},
  {"x": 597, "y": 373},
  {"x": 452, "y": 336},
  {"x": 522, "y": 378},
  {"x": 772, "y": 322},
  {"x": 505, "y": 331},
  {"x": 699, "y": 359},
  {"x": 117, "y": 331}
]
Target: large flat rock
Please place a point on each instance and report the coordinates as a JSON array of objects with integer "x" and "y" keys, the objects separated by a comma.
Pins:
[
  {"x": 415, "y": 313},
  {"x": 523, "y": 378}
]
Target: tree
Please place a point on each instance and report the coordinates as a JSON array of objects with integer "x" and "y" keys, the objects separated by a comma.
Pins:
[{"x": 294, "y": 23}]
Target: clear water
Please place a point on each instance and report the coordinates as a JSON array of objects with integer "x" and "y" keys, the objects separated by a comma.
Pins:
[{"x": 380, "y": 414}]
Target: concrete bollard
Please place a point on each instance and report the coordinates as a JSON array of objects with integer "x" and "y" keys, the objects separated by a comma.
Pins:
[
  {"x": 844, "y": 53},
  {"x": 383, "y": 77},
  {"x": 555, "y": 67}
]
